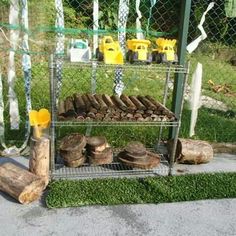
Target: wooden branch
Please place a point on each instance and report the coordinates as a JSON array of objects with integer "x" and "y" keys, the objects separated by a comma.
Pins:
[
  {"x": 161, "y": 110},
  {"x": 137, "y": 103},
  {"x": 127, "y": 101},
  {"x": 61, "y": 108},
  {"x": 93, "y": 101},
  {"x": 79, "y": 103},
  {"x": 149, "y": 105},
  {"x": 69, "y": 107},
  {"x": 108, "y": 101},
  {"x": 86, "y": 102},
  {"x": 119, "y": 103},
  {"x": 103, "y": 105}
]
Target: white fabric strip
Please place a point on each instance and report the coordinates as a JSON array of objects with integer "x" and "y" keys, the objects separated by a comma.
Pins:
[
  {"x": 95, "y": 25},
  {"x": 59, "y": 45},
  {"x": 26, "y": 64},
  {"x": 2, "y": 125},
  {"x": 14, "y": 38},
  {"x": 122, "y": 21},
  {"x": 193, "y": 45},
  {"x": 195, "y": 100},
  {"x": 139, "y": 33}
]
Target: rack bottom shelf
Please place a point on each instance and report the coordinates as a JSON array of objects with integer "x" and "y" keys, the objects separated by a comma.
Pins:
[{"x": 113, "y": 170}]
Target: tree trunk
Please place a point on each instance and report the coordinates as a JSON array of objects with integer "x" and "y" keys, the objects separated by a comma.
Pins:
[
  {"x": 20, "y": 184},
  {"x": 39, "y": 157},
  {"x": 192, "y": 151}
]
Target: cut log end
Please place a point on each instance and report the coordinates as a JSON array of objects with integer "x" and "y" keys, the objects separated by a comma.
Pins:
[{"x": 33, "y": 191}]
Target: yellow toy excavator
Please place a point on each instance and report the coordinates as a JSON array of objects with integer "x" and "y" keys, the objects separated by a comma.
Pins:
[
  {"x": 165, "y": 52},
  {"x": 138, "y": 51},
  {"x": 109, "y": 51}
]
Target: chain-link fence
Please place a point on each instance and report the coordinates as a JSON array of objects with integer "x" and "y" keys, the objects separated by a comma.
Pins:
[
  {"x": 216, "y": 121},
  {"x": 149, "y": 19}
]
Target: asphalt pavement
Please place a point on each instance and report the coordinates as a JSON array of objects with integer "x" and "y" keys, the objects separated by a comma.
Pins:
[{"x": 200, "y": 218}]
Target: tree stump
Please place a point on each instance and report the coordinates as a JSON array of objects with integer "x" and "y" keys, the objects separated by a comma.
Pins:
[
  {"x": 39, "y": 157},
  {"x": 20, "y": 184}
]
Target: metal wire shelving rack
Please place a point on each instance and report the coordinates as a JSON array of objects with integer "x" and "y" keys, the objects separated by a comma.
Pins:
[{"x": 115, "y": 169}]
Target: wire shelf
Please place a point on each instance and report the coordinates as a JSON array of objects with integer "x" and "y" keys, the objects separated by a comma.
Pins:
[
  {"x": 171, "y": 68},
  {"x": 113, "y": 170},
  {"x": 117, "y": 123}
]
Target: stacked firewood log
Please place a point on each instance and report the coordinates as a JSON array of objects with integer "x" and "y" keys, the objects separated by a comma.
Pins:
[
  {"x": 113, "y": 108},
  {"x": 72, "y": 150},
  {"x": 99, "y": 151}
]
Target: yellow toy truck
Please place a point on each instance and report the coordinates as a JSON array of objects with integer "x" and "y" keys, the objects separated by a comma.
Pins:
[
  {"x": 109, "y": 51},
  {"x": 138, "y": 51},
  {"x": 165, "y": 52}
]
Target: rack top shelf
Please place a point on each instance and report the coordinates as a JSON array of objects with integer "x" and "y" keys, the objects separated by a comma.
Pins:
[{"x": 172, "y": 68}]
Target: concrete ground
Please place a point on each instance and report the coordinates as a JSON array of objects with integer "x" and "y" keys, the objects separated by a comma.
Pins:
[{"x": 211, "y": 217}]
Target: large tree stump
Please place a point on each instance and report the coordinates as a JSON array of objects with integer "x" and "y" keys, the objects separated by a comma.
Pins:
[
  {"x": 192, "y": 151},
  {"x": 39, "y": 157},
  {"x": 20, "y": 184}
]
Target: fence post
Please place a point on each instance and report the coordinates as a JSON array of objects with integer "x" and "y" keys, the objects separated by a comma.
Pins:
[{"x": 182, "y": 43}]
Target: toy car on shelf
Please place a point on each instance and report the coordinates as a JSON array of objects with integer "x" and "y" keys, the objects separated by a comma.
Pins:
[
  {"x": 165, "y": 52},
  {"x": 138, "y": 51},
  {"x": 109, "y": 51},
  {"x": 79, "y": 50}
]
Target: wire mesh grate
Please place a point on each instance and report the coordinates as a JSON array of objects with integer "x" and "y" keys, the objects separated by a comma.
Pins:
[{"x": 113, "y": 170}]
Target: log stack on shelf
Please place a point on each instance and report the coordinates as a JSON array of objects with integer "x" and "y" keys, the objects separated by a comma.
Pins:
[
  {"x": 72, "y": 150},
  {"x": 98, "y": 150},
  {"x": 113, "y": 108},
  {"x": 135, "y": 155}
]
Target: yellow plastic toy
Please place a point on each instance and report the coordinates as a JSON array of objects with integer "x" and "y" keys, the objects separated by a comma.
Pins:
[
  {"x": 138, "y": 51},
  {"x": 109, "y": 51},
  {"x": 40, "y": 120},
  {"x": 165, "y": 51}
]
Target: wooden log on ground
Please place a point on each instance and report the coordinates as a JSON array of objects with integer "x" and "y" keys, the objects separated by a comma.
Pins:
[
  {"x": 93, "y": 101},
  {"x": 39, "y": 157},
  {"x": 79, "y": 103},
  {"x": 127, "y": 101},
  {"x": 149, "y": 105},
  {"x": 118, "y": 102},
  {"x": 21, "y": 184},
  {"x": 69, "y": 107},
  {"x": 108, "y": 101},
  {"x": 61, "y": 108},
  {"x": 191, "y": 151},
  {"x": 103, "y": 105},
  {"x": 137, "y": 103}
]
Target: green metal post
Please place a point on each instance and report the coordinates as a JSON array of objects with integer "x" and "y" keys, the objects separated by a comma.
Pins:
[{"x": 182, "y": 43}]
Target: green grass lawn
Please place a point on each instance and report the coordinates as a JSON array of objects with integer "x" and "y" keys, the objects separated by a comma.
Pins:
[
  {"x": 74, "y": 193},
  {"x": 220, "y": 72}
]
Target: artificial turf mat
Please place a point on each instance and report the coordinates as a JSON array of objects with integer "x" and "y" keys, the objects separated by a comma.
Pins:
[{"x": 73, "y": 193}]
